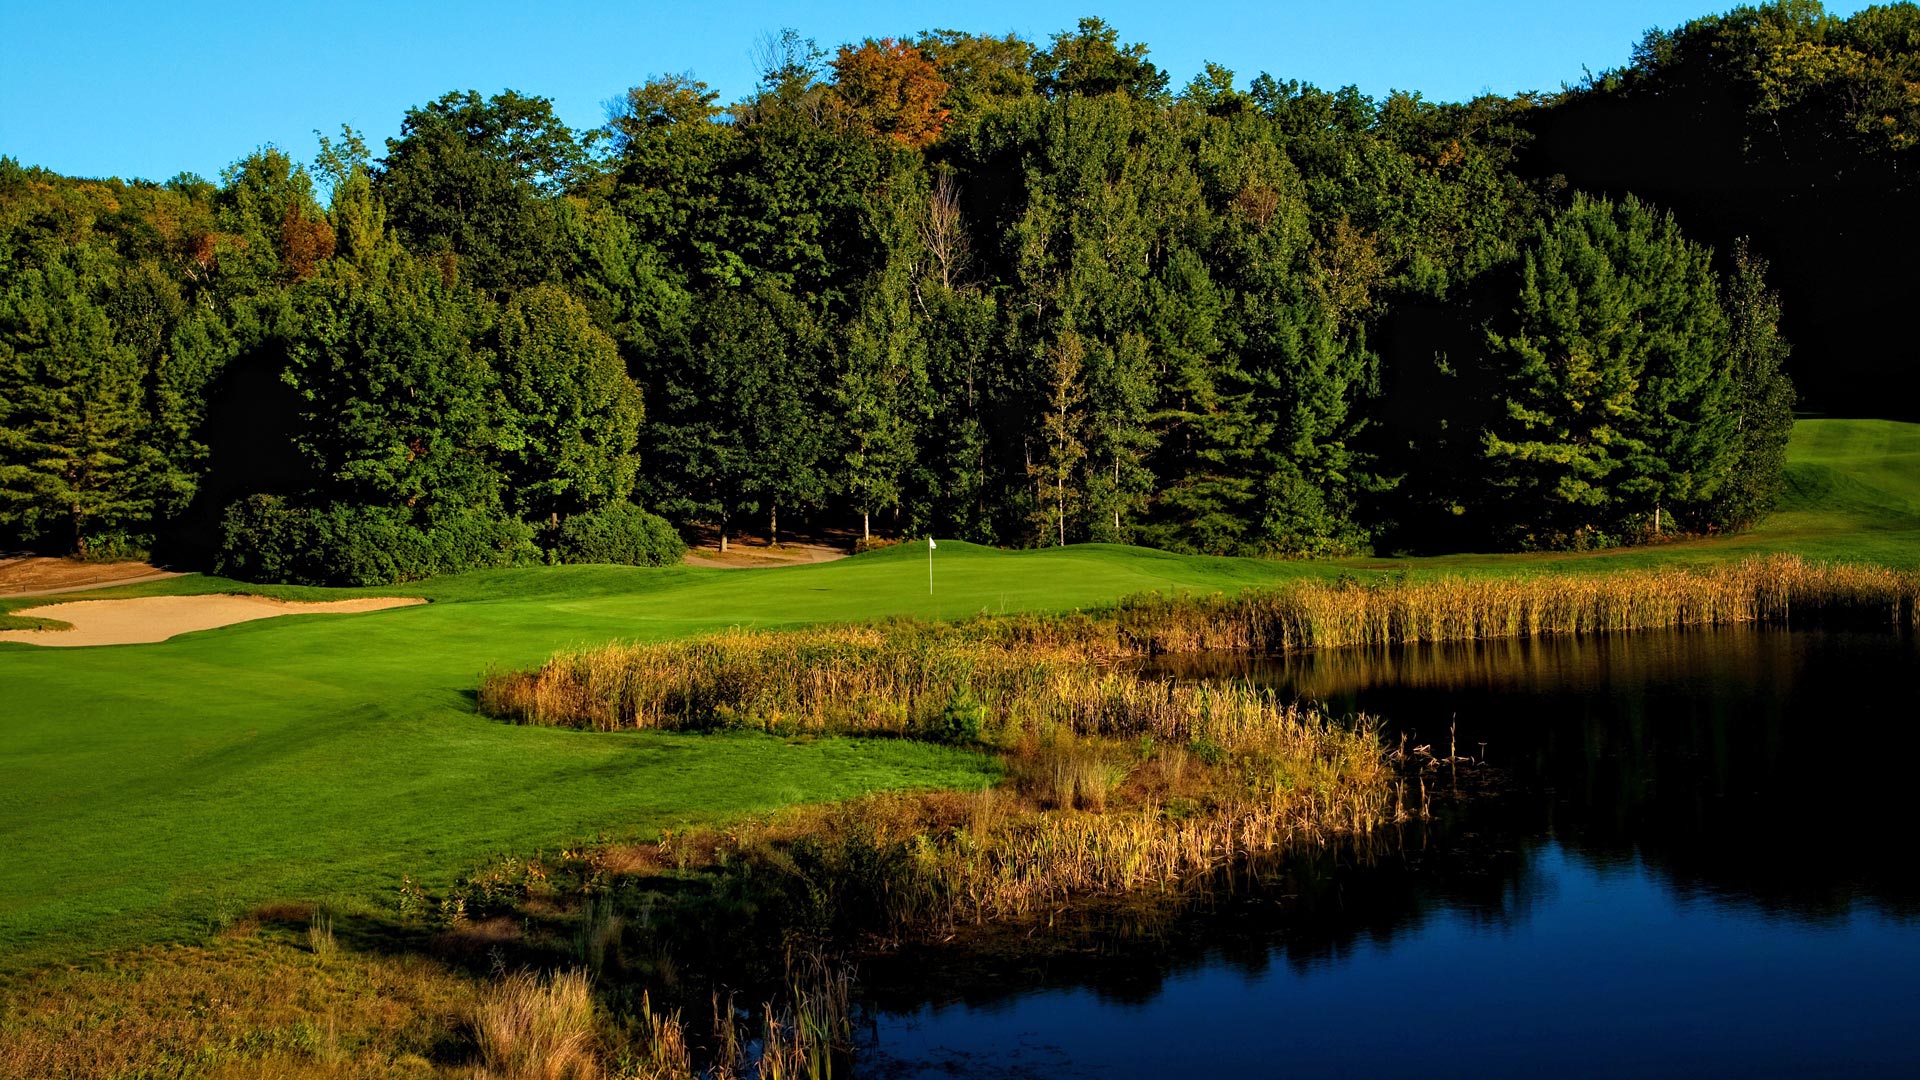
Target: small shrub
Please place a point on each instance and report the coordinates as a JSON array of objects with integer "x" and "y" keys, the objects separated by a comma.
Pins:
[
  {"x": 266, "y": 538},
  {"x": 412, "y": 903},
  {"x": 1207, "y": 750},
  {"x": 261, "y": 539},
  {"x": 114, "y": 546},
  {"x": 960, "y": 720},
  {"x": 622, "y": 534}
]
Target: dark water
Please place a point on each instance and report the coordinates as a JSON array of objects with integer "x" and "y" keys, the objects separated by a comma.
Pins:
[{"x": 1690, "y": 854}]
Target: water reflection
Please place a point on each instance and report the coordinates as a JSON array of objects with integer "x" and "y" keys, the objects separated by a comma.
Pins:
[
  {"x": 1693, "y": 856},
  {"x": 1744, "y": 765}
]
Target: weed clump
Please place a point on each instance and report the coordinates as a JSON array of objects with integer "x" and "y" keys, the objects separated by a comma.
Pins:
[{"x": 530, "y": 1028}]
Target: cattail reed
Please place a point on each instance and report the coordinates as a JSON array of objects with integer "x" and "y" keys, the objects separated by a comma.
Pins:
[{"x": 1035, "y": 671}]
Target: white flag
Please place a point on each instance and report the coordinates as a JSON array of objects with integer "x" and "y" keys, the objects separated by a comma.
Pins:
[{"x": 930, "y": 544}]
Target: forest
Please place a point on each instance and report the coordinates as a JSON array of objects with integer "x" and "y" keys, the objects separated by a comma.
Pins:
[{"x": 1013, "y": 292}]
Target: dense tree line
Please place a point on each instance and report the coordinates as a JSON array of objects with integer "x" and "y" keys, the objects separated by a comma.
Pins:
[
  {"x": 1796, "y": 130},
  {"x": 1017, "y": 293}
]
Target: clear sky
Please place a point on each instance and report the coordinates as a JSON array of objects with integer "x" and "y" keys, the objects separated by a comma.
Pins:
[{"x": 152, "y": 89}]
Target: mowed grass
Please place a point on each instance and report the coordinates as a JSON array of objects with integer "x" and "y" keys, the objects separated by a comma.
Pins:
[{"x": 148, "y": 791}]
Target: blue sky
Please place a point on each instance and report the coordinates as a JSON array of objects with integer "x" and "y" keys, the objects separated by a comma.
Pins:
[{"x": 149, "y": 90}]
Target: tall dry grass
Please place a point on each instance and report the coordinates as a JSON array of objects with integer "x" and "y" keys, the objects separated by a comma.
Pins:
[
  {"x": 533, "y": 1028},
  {"x": 1321, "y": 614},
  {"x": 800, "y": 1038},
  {"x": 1036, "y": 671}
]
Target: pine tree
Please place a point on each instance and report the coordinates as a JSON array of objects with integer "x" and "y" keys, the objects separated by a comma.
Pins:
[
  {"x": 1761, "y": 397},
  {"x": 1062, "y": 447},
  {"x": 1609, "y": 381},
  {"x": 75, "y": 465}
]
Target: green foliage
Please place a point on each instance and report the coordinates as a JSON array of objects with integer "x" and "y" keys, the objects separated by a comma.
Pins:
[
  {"x": 1761, "y": 396},
  {"x": 737, "y": 425},
  {"x": 1608, "y": 381},
  {"x": 570, "y": 416},
  {"x": 263, "y": 538},
  {"x": 619, "y": 533},
  {"x": 1795, "y": 129},
  {"x": 1091, "y": 61},
  {"x": 959, "y": 285},
  {"x": 960, "y": 721},
  {"x": 74, "y": 460},
  {"x": 475, "y": 179},
  {"x": 396, "y": 405}
]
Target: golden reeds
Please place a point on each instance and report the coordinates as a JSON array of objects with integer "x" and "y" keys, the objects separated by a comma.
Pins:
[
  {"x": 1322, "y": 614},
  {"x": 1036, "y": 670},
  {"x": 529, "y": 1028}
]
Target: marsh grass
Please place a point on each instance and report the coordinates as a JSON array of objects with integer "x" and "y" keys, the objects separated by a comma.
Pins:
[
  {"x": 530, "y": 1027},
  {"x": 1031, "y": 674},
  {"x": 1779, "y": 589}
]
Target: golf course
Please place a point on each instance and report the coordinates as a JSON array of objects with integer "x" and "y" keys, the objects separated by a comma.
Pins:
[{"x": 151, "y": 793}]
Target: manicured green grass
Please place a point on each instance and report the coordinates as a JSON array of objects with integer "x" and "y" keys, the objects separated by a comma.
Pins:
[
  {"x": 146, "y": 789},
  {"x": 1852, "y": 495}
]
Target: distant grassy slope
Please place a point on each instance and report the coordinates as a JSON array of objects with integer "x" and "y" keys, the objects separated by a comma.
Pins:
[
  {"x": 145, "y": 788},
  {"x": 1852, "y": 494}
]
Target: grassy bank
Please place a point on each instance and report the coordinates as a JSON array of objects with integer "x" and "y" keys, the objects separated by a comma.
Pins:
[
  {"x": 149, "y": 792},
  {"x": 189, "y": 790}
]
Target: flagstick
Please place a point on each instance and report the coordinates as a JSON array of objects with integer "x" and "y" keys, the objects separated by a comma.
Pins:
[{"x": 929, "y": 566}]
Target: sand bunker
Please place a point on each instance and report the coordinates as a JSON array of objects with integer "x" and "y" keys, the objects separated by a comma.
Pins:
[{"x": 157, "y": 618}]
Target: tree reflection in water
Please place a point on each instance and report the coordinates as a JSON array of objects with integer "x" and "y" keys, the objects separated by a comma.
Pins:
[{"x": 1755, "y": 775}]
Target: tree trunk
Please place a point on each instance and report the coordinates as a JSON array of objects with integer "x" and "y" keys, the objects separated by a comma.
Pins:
[
  {"x": 773, "y": 525},
  {"x": 723, "y": 536},
  {"x": 1656, "y": 521},
  {"x": 866, "y": 526}
]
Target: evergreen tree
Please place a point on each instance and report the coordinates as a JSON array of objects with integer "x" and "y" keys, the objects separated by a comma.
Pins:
[
  {"x": 881, "y": 398},
  {"x": 1761, "y": 397},
  {"x": 75, "y": 463},
  {"x": 1061, "y": 446},
  {"x": 1609, "y": 381}
]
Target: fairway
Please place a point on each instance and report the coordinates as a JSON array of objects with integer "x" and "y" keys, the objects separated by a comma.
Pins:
[{"x": 148, "y": 791}]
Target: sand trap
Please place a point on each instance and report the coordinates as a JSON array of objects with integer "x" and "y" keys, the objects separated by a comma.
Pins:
[{"x": 157, "y": 618}]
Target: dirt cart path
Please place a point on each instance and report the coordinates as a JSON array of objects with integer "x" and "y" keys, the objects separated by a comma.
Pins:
[{"x": 37, "y": 575}]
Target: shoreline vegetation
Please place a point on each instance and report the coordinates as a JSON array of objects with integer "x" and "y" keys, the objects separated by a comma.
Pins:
[
  {"x": 1025, "y": 675},
  {"x": 1118, "y": 785},
  {"x": 1119, "y": 789}
]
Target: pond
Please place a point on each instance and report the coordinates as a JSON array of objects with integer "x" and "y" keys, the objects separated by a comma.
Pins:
[{"x": 1686, "y": 852}]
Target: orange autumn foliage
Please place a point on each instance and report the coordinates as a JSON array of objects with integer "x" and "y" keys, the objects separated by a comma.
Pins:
[
  {"x": 304, "y": 243},
  {"x": 888, "y": 88}
]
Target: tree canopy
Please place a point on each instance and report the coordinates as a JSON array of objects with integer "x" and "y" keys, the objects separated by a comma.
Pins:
[{"x": 1017, "y": 292}]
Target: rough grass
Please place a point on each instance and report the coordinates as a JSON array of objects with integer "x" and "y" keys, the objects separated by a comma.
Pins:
[
  {"x": 247, "y": 1004},
  {"x": 1033, "y": 672},
  {"x": 530, "y": 1027}
]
